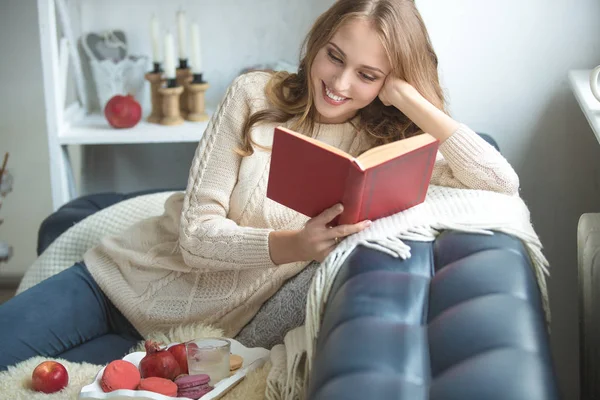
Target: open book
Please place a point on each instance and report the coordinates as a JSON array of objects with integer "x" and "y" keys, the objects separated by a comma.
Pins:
[{"x": 310, "y": 176}]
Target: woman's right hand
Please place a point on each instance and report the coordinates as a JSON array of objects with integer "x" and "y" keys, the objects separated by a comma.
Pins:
[{"x": 317, "y": 239}]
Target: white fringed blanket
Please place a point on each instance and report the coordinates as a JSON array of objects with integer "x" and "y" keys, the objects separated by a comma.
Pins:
[{"x": 474, "y": 211}]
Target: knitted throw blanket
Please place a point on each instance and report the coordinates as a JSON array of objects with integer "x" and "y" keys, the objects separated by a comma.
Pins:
[{"x": 473, "y": 211}]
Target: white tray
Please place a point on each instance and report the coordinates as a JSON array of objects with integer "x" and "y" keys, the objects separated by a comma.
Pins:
[{"x": 253, "y": 358}]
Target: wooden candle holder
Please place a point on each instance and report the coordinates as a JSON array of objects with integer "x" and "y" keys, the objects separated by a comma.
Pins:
[
  {"x": 183, "y": 77},
  {"x": 195, "y": 95},
  {"x": 156, "y": 80},
  {"x": 170, "y": 105}
]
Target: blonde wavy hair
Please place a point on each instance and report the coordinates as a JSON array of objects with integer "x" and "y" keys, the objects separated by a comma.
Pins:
[{"x": 407, "y": 44}]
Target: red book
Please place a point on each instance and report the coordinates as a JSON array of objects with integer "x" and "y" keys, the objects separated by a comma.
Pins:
[{"x": 310, "y": 176}]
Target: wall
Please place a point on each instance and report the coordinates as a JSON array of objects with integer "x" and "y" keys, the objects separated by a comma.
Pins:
[
  {"x": 504, "y": 65},
  {"x": 22, "y": 134}
]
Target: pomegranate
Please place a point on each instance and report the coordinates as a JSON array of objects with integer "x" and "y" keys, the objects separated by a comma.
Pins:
[
  {"x": 158, "y": 362},
  {"x": 180, "y": 355},
  {"x": 123, "y": 111},
  {"x": 49, "y": 377}
]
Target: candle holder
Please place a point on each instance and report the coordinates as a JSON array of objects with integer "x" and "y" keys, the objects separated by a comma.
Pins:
[
  {"x": 170, "y": 96},
  {"x": 196, "y": 105},
  {"x": 156, "y": 80},
  {"x": 196, "y": 89},
  {"x": 184, "y": 76}
]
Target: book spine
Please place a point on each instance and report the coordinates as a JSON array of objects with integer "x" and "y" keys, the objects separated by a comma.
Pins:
[{"x": 353, "y": 195}]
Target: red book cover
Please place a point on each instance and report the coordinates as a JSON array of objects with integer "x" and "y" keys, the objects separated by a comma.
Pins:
[{"x": 310, "y": 176}]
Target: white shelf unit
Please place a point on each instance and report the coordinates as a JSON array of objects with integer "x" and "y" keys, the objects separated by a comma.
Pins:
[
  {"x": 93, "y": 129},
  {"x": 70, "y": 124},
  {"x": 580, "y": 84}
]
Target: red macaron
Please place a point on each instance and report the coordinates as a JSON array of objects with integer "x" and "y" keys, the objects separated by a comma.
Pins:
[
  {"x": 120, "y": 374},
  {"x": 159, "y": 385}
]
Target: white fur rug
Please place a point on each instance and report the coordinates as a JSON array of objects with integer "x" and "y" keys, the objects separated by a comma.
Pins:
[{"x": 15, "y": 384}]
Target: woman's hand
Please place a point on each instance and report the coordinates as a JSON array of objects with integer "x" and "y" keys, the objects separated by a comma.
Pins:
[
  {"x": 402, "y": 95},
  {"x": 317, "y": 239},
  {"x": 396, "y": 92},
  {"x": 314, "y": 242}
]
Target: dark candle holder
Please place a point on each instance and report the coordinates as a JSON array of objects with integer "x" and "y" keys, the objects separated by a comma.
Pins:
[{"x": 197, "y": 78}]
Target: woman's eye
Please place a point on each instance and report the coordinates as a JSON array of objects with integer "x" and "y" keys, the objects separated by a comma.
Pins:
[
  {"x": 368, "y": 77},
  {"x": 333, "y": 57}
]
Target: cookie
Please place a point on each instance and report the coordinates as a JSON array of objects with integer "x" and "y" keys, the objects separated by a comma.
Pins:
[
  {"x": 159, "y": 385},
  {"x": 120, "y": 374},
  {"x": 235, "y": 362}
]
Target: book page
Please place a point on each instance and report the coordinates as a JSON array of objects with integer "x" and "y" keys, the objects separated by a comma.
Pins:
[
  {"x": 317, "y": 143},
  {"x": 383, "y": 153}
]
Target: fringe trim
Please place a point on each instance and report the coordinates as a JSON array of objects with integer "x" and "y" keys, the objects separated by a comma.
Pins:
[{"x": 275, "y": 382}]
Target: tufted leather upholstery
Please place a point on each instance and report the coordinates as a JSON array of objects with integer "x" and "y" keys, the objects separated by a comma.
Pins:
[{"x": 461, "y": 319}]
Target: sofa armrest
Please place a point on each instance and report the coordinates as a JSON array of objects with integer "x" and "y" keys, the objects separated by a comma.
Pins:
[{"x": 461, "y": 319}]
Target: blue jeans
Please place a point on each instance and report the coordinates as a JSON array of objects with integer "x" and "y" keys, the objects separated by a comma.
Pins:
[{"x": 66, "y": 316}]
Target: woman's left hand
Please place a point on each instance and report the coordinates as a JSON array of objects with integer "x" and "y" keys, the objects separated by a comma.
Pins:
[
  {"x": 396, "y": 92},
  {"x": 402, "y": 95}
]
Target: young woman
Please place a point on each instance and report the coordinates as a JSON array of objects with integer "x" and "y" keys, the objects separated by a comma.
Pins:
[{"x": 367, "y": 76}]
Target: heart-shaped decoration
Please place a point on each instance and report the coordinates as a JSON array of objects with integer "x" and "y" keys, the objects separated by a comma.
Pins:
[{"x": 111, "y": 45}]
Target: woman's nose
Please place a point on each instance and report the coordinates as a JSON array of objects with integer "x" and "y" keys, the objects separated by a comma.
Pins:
[{"x": 342, "y": 81}]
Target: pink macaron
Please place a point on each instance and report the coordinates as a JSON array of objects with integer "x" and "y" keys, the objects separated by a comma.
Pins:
[{"x": 193, "y": 386}]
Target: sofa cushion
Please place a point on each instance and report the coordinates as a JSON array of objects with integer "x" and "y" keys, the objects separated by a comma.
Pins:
[{"x": 460, "y": 319}]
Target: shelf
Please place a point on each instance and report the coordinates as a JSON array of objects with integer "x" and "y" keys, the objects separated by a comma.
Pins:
[
  {"x": 94, "y": 129},
  {"x": 580, "y": 84}
]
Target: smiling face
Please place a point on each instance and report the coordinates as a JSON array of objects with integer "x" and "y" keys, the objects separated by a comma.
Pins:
[{"x": 348, "y": 72}]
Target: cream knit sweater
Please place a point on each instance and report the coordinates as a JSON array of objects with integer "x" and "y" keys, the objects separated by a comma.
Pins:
[{"x": 206, "y": 258}]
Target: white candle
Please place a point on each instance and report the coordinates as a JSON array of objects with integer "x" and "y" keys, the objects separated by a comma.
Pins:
[
  {"x": 169, "y": 56},
  {"x": 196, "y": 50},
  {"x": 181, "y": 36},
  {"x": 155, "y": 31}
]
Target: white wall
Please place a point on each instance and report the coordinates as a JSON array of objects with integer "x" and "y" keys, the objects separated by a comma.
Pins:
[
  {"x": 503, "y": 63},
  {"x": 22, "y": 133}
]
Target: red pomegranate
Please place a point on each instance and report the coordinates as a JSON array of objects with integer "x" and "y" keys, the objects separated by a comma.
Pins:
[
  {"x": 123, "y": 111},
  {"x": 180, "y": 354},
  {"x": 158, "y": 362}
]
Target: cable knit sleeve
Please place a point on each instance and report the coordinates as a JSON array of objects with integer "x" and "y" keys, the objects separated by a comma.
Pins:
[
  {"x": 469, "y": 162},
  {"x": 207, "y": 238}
]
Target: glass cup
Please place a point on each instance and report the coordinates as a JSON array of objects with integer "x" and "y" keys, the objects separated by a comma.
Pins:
[{"x": 209, "y": 356}]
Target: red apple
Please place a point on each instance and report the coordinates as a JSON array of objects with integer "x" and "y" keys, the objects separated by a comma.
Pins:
[
  {"x": 49, "y": 377},
  {"x": 123, "y": 111},
  {"x": 180, "y": 355}
]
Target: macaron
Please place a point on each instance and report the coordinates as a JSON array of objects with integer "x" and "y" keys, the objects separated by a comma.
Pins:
[
  {"x": 235, "y": 362},
  {"x": 193, "y": 386},
  {"x": 120, "y": 374},
  {"x": 159, "y": 385}
]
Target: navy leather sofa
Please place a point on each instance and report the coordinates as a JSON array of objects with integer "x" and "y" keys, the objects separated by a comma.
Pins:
[{"x": 461, "y": 319}]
